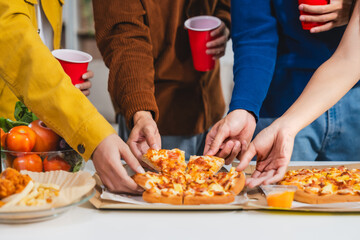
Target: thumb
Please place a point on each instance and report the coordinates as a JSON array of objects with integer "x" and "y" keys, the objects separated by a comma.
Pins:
[
  {"x": 216, "y": 143},
  {"x": 130, "y": 159},
  {"x": 246, "y": 157}
]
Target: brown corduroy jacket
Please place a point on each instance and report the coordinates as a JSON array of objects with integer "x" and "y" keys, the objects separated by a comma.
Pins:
[{"x": 146, "y": 48}]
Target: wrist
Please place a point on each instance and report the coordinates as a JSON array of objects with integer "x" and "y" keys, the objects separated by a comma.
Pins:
[
  {"x": 141, "y": 115},
  {"x": 287, "y": 125}
]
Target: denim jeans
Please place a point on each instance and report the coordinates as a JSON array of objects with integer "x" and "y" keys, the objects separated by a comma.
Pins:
[
  {"x": 334, "y": 136},
  {"x": 192, "y": 145}
]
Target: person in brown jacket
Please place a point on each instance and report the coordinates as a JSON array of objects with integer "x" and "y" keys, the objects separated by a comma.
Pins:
[{"x": 152, "y": 81}]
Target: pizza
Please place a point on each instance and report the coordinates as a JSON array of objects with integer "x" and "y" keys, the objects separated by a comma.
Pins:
[
  {"x": 197, "y": 182},
  {"x": 166, "y": 161},
  {"x": 328, "y": 185}
]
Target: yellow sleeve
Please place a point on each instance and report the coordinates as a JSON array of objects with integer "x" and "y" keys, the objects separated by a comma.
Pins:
[{"x": 37, "y": 79}]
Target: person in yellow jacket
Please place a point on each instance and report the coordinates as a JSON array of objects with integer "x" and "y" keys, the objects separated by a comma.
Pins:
[{"x": 30, "y": 72}]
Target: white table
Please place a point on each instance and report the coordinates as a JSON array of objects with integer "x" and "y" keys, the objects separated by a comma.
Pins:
[{"x": 86, "y": 222}]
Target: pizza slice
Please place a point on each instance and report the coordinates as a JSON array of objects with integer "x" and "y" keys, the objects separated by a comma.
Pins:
[
  {"x": 232, "y": 181},
  {"x": 166, "y": 161},
  {"x": 202, "y": 167},
  {"x": 328, "y": 185},
  {"x": 159, "y": 188},
  {"x": 206, "y": 191}
]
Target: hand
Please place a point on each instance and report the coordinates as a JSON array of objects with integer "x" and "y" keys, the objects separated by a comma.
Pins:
[
  {"x": 334, "y": 14},
  {"x": 85, "y": 86},
  {"x": 217, "y": 46},
  {"x": 228, "y": 137},
  {"x": 107, "y": 161},
  {"x": 144, "y": 134},
  {"x": 273, "y": 147}
]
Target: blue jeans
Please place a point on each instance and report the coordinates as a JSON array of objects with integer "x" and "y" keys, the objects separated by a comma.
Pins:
[
  {"x": 192, "y": 145},
  {"x": 334, "y": 136}
]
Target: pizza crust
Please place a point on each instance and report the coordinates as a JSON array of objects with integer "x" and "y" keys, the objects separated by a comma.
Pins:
[
  {"x": 141, "y": 180},
  {"x": 197, "y": 200},
  {"x": 150, "y": 164},
  {"x": 302, "y": 196},
  {"x": 154, "y": 197},
  {"x": 238, "y": 185}
]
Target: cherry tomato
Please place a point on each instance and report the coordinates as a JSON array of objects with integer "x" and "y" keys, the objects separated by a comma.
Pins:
[
  {"x": 20, "y": 139},
  {"x": 30, "y": 162},
  {"x": 56, "y": 163},
  {"x": 2, "y": 137}
]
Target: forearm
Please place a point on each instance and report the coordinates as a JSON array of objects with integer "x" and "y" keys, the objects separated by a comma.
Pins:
[
  {"x": 330, "y": 82},
  {"x": 124, "y": 41},
  {"x": 255, "y": 41},
  {"x": 36, "y": 77}
]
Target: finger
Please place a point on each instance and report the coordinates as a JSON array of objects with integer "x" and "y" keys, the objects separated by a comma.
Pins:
[
  {"x": 246, "y": 157},
  {"x": 226, "y": 151},
  {"x": 132, "y": 142},
  {"x": 219, "y": 30},
  {"x": 208, "y": 140},
  {"x": 220, "y": 41},
  {"x": 121, "y": 180},
  {"x": 243, "y": 148},
  {"x": 86, "y": 92},
  {"x": 319, "y": 9},
  {"x": 235, "y": 151},
  {"x": 151, "y": 138},
  {"x": 131, "y": 160},
  {"x": 280, "y": 172},
  {"x": 88, "y": 75},
  {"x": 259, "y": 180},
  {"x": 218, "y": 56},
  {"x": 322, "y": 28},
  {"x": 83, "y": 86},
  {"x": 216, "y": 143},
  {"x": 320, "y": 18}
]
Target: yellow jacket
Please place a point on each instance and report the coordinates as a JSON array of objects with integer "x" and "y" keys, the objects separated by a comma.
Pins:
[{"x": 28, "y": 70}]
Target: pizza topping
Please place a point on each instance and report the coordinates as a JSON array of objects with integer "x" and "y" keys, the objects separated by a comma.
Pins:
[{"x": 325, "y": 182}]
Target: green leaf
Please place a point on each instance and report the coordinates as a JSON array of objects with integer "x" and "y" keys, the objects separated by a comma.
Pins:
[
  {"x": 23, "y": 114},
  {"x": 7, "y": 124}
]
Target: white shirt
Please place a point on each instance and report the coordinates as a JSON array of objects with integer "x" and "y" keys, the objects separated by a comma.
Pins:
[{"x": 44, "y": 28}]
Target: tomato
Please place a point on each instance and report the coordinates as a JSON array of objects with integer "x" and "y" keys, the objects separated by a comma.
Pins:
[
  {"x": 20, "y": 139},
  {"x": 2, "y": 137},
  {"x": 46, "y": 139},
  {"x": 30, "y": 162},
  {"x": 56, "y": 163}
]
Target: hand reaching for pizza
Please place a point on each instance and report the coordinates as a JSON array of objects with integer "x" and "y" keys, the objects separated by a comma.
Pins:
[
  {"x": 144, "y": 134},
  {"x": 334, "y": 14},
  {"x": 217, "y": 46},
  {"x": 273, "y": 147},
  {"x": 228, "y": 137},
  {"x": 107, "y": 161}
]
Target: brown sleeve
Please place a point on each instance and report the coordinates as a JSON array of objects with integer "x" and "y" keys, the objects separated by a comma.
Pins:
[
  {"x": 223, "y": 12},
  {"x": 124, "y": 41}
]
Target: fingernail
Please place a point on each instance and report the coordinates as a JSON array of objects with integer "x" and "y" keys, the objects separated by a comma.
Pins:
[
  {"x": 302, "y": 18},
  {"x": 207, "y": 52},
  {"x": 84, "y": 76},
  {"x": 140, "y": 170},
  {"x": 301, "y": 7},
  {"x": 77, "y": 86},
  {"x": 208, "y": 45}
]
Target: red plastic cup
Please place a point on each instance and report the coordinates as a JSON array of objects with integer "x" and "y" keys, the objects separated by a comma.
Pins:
[
  {"x": 74, "y": 63},
  {"x": 310, "y": 25},
  {"x": 199, "y": 29}
]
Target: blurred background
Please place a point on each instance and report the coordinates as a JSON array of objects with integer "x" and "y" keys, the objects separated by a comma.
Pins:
[{"x": 79, "y": 34}]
